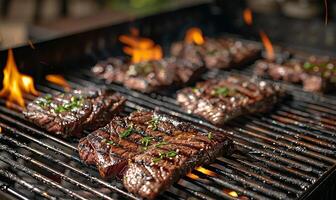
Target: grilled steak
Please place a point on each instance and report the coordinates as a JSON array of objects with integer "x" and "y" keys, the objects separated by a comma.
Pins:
[
  {"x": 316, "y": 75},
  {"x": 146, "y": 141},
  {"x": 147, "y": 76},
  {"x": 220, "y": 100},
  {"x": 68, "y": 114},
  {"x": 110, "y": 147},
  {"x": 217, "y": 53},
  {"x": 156, "y": 169}
]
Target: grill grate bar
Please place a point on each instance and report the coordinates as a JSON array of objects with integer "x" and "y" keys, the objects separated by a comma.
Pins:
[
  {"x": 209, "y": 187},
  {"x": 234, "y": 165},
  {"x": 29, "y": 127},
  {"x": 25, "y": 184},
  {"x": 309, "y": 113},
  {"x": 283, "y": 152},
  {"x": 59, "y": 162},
  {"x": 47, "y": 146},
  {"x": 276, "y": 138},
  {"x": 270, "y": 155},
  {"x": 45, "y": 167},
  {"x": 247, "y": 183},
  {"x": 40, "y": 177},
  {"x": 281, "y": 127}
]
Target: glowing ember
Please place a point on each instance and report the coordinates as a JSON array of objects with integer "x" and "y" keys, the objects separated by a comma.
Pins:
[
  {"x": 193, "y": 176},
  {"x": 58, "y": 80},
  {"x": 140, "y": 49},
  {"x": 15, "y": 84},
  {"x": 247, "y": 15},
  {"x": 231, "y": 192},
  {"x": 194, "y": 35},
  {"x": 206, "y": 171},
  {"x": 268, "y": 45}
]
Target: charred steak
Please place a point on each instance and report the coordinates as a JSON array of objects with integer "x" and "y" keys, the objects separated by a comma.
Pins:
[
  {"x": 150, "y": 150},
  {"x": 315, "y": 74},
  {"x": 220, "y": 100},
  {"x": 147, "y": 76},
  {"x": 159, "y": 167},
  {"x": 68, "y": 114},
  {"x": 217, "y": 53},
  {"x": 110, "y": 147}
]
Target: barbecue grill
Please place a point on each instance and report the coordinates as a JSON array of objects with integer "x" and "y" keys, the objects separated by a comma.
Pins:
[{"x": 289, "y": 153}]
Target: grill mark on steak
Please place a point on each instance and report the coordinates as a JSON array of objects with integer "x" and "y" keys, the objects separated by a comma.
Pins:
[
  {"x": 147, "y": 178},
  {"x": 124, "y": 148},
  {"x": 148, "y": 76},
  {"x": 220, "y": 100},
  {"x": 184, "y": 148},
  {"x": 68, "y": 114}
]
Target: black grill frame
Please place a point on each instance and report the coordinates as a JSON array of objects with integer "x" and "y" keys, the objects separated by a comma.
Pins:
[{"x": 84, "y": 49}]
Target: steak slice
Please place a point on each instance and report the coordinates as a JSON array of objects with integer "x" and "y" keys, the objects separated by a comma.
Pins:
[
  {"x": 110, "y": 147},
  {"x": 148, "y": 76},
  {"x": 217, "y": 53},
  {"x": 220, "y": 100},
  {"x": 158, "y": 168},
  {"x": 68, "y": 114},
  {"x": 315, "y": 74}
]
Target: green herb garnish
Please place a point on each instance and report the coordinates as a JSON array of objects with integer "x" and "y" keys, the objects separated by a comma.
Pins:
[
  {"x": 154, "y": 122},
  {"x": 169, "y": 154},
  {"x": 308, "y": 65},
  {"x": 161, "y": 143},
  {"x": 161, "y": 156},
  {"x": 45, "y": 101},
  {"x": 126, "y": 132},
  {"x": 210, "y": 135},
  {"x": 145, "y": 141},
  {"x": 110, "y": 142},
  {"x": 221, "y": 91},
  {"x": 75, "y": 102},
  {"x": 60, "y": 109}
]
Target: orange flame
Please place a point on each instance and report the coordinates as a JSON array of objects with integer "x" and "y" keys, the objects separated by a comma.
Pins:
[
  {"x": 194, "y": 35},
  {"x": 193, "y": 176},
  {"x": 247, "y": 15},
  {"x": 58, "y": 80},
  {"x": 140, "y": 49},
  {"x": 15, "y": 84},
  {"x": 268, "y": 45},
  {"x": 206, "y": 171}
]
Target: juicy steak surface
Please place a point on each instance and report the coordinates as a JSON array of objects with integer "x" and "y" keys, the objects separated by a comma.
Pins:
[
  {"x": 68, "y": 114},
  {"x": 315, "y": 74},
  {"x": 150, "y": 150},
  {"x": 217, "y": 53},
  {"x": 220, "y": 100},
  {"x": 147, "y": 76}
]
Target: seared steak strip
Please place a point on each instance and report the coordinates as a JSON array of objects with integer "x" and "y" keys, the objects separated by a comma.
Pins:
[
  {"x": 150, "y": 150},
  {"x": 68, "y": 114},
  {"x": 147, "y": 76},
  {"x": 110, "y": 147},
  {"x": 315, "y": 74},
  {"x": 155, "y": 170},
  {"x": 217, "y": 53},
  {"x": 220, "y": 100}
]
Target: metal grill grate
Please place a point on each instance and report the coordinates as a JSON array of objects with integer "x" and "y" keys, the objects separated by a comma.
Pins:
[{"x": 280, "y": 155}]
